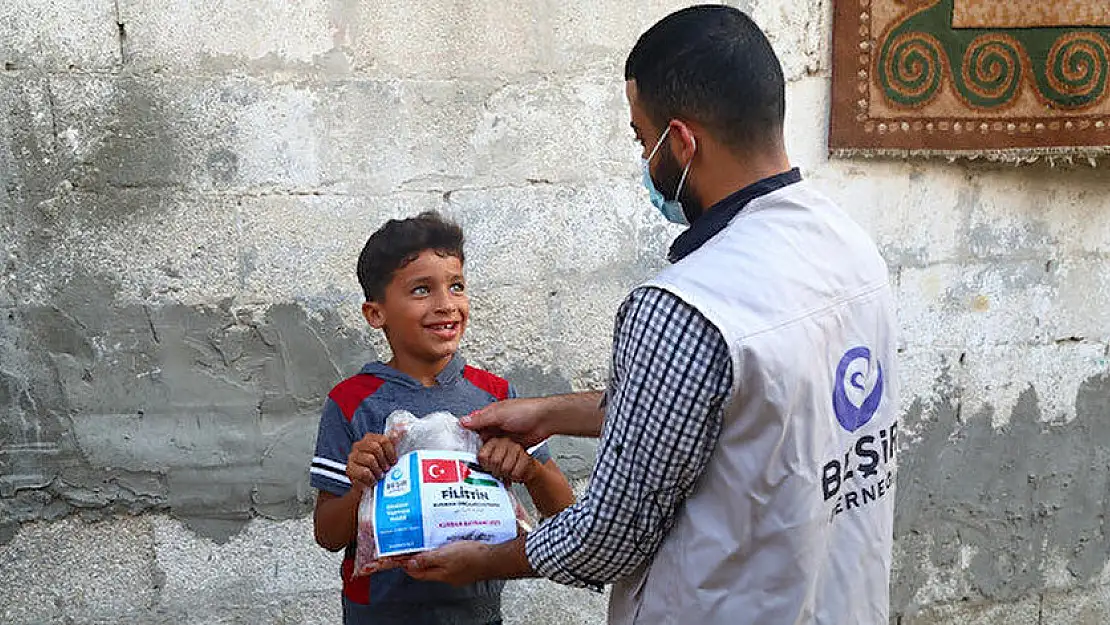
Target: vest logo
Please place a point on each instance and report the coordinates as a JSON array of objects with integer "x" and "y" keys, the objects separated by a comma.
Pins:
[{"x": 857, "y": 389}]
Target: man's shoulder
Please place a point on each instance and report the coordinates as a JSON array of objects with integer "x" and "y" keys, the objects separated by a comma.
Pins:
[
  {"x": 645, "y": 300},
  {"x": 349, "y": 394},
  {"x": 495, "y": 385}
]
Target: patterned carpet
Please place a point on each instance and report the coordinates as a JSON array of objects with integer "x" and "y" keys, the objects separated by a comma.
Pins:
[{"x": 999, "y": 78}]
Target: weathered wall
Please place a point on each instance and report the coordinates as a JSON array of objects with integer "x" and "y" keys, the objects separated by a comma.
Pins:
[{"x": 186, "y": 188}]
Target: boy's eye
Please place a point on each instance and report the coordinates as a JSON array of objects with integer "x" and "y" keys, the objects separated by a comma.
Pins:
[
  {"x": 458, "y": 287},
  {"x": 420, "y": 290}
]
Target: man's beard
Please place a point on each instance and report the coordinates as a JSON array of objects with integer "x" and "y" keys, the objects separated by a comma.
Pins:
[{"x": 668, "y": 175}]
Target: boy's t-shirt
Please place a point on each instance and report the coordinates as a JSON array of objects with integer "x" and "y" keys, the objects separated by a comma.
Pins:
[{"x": 360, "y": 405}]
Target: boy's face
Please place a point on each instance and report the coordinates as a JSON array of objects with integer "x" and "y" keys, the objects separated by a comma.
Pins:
[{"x": 425, "y": 309}]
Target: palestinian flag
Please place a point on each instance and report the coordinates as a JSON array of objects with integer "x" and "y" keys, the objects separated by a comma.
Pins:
[{"x": 474, "y": 476}]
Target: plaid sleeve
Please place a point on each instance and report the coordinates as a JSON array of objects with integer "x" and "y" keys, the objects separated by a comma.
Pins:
[
  {"x": 333, "y": 444},
  {"x": 671, "y": 376}
]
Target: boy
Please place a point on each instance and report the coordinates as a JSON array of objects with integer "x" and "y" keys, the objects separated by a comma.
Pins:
[{"x": 411, "y": 272}]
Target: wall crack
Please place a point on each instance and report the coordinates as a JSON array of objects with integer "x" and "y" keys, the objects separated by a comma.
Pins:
[{"x": 122, "y": 30}]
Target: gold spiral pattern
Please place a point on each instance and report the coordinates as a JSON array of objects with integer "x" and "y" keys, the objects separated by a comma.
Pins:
[
  {"x": 911, "y": 68},
  {"x": 1077, "y": 67},
  {"x": 992, "y": 69}
]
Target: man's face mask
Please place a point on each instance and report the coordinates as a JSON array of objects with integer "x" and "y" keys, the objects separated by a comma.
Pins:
[{"x": 672, "y": 209}]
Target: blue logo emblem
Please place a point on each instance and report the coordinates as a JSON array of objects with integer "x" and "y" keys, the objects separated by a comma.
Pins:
[
  {"x": 397, "y": 474},
  {"x": 858, "y": 388}
]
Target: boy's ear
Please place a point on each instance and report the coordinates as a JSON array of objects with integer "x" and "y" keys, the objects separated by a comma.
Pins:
[{"x": 374, "y": 314}]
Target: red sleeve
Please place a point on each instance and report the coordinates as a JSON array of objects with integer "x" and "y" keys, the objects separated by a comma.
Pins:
[
  {"x": 498, "y": 387},
  {"x": 350, "y": 393}
]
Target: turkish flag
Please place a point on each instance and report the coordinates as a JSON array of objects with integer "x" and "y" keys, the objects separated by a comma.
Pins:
[{"x": 440, "y": 471}]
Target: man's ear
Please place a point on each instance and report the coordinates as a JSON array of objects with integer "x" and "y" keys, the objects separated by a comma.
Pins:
[
  {"x": 683, "y": 143},
  {"x": 374, "y": 314}
]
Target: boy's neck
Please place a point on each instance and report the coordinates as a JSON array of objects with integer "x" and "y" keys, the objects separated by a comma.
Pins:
[{"x": 422, "y": 371}]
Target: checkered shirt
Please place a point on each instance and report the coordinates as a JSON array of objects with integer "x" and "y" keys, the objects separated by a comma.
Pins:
[{"x": 670, "y": 376}]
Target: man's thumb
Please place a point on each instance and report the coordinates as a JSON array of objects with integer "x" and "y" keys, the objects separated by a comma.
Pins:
[
  {"x": 477, "y": 420},
  {"x": 420, "y": 562}
]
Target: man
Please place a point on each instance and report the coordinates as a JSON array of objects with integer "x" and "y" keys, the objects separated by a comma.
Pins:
[{"x": 745, "y": 471}]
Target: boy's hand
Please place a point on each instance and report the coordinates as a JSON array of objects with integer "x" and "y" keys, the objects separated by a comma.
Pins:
[
  {"x": 508, "y": 461},
  {"x": 370, "y": 458}
]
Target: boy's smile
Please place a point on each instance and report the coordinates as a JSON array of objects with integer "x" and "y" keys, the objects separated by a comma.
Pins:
[
  {"x": 424, "y": 313},
  {"x": 445, "y": 331}
]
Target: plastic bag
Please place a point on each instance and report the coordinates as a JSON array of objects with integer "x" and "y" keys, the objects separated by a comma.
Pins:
[{"x": 437, "y": 432}]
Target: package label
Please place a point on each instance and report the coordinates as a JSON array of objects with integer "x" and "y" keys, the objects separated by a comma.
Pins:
[{"x": 431, "y": 498}]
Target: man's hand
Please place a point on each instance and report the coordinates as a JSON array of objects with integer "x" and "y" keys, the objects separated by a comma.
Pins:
[
  {"x": 522, "y": 420},
  {"x": 459, "y": 564},
  {"x": 466, "y": 562},
  {"x": 370, "y": 458},
  {"x": 532, "y": 421},
  {"x": 508, "y": 461}
]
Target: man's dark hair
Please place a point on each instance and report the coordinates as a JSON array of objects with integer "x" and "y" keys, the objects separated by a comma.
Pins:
[
  {"x": 714, "y": 66},
  {"x": 398, "y": 243}
]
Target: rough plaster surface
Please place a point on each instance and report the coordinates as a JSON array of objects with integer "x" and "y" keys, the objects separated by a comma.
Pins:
[
  {"x": 183, "y": 194},
  {"x": 154, "y": 569}
]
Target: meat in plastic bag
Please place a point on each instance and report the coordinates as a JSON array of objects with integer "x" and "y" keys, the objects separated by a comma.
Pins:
[{"x": 439, "y": 432}]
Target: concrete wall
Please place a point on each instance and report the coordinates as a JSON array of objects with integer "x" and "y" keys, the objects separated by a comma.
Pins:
[{"x": 185, "y": 188}]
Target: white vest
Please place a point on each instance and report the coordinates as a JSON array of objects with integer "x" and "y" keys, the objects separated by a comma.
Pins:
[{"x": 792, "y": 522}]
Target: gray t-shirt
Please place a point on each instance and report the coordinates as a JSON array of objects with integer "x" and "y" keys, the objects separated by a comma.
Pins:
[{"x": 360, "y": 405}]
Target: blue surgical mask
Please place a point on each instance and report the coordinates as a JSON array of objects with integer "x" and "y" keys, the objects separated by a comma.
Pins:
[{"x": 670, "y": 209}]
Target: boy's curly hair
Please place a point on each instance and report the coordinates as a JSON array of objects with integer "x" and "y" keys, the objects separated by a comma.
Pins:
[{"x": 398, "y": 243}]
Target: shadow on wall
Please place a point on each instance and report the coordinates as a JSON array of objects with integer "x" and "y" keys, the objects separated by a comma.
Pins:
[
  {"x": 1011, "y": 508},
  {"x": 209, "y": 412}
]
